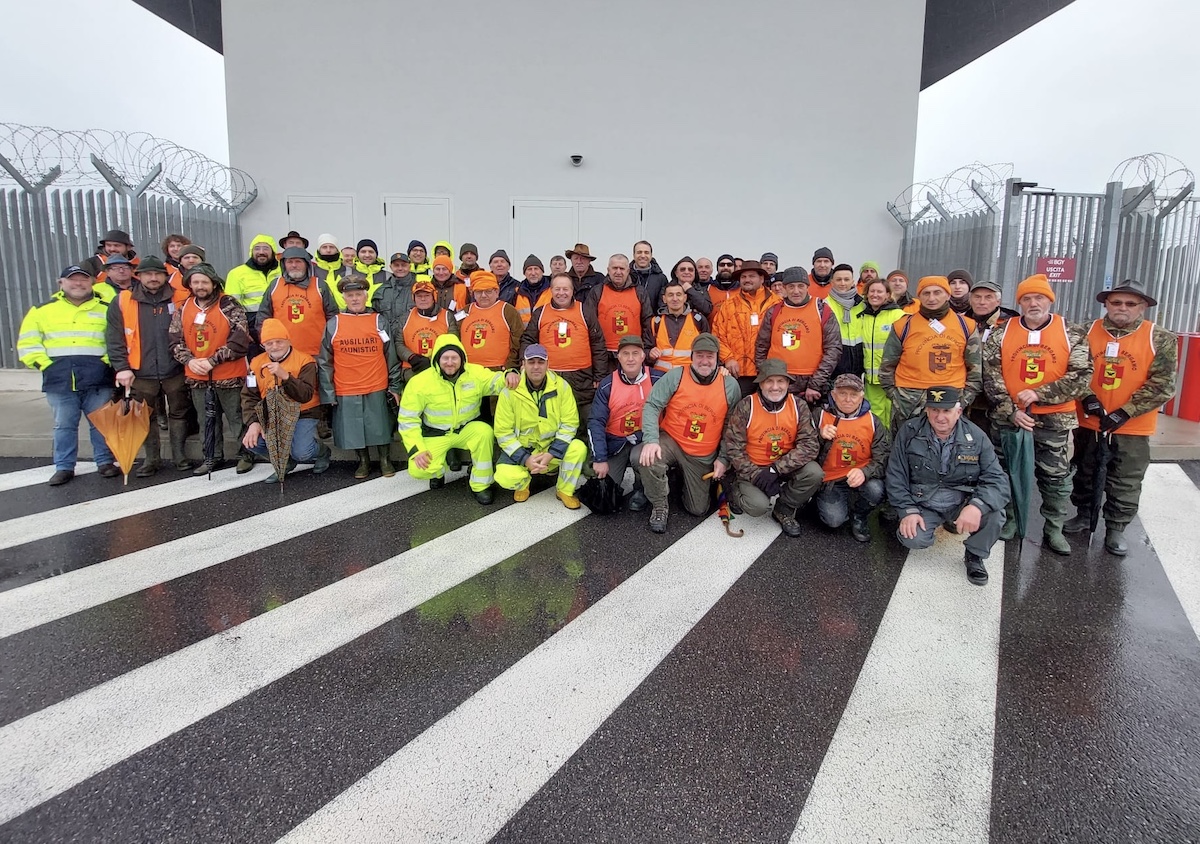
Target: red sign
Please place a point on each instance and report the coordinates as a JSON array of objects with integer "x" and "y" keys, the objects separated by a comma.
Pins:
[{"x": 1057, "y": 269}]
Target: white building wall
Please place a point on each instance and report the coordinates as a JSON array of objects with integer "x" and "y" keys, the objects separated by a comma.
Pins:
[{"x": 742, "y": 126}]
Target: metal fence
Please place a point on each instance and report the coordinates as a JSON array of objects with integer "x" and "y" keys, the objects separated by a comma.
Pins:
[{"x": 1084, "y": 240}]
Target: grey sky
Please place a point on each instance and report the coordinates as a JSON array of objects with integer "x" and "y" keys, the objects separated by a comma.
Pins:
[{"x": 1065, "y": 102}]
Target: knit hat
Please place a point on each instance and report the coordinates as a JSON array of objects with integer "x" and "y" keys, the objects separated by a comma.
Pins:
[
  {"x": 442, "y": 261},
  {"x": 273, "y": 329},
  {"x": 961, "y": 275},
  {"x": 500, "y": 253},
  {"x": 869, "y": 265},
  {"x": 823, "y": 252},
  {"x": 933, "y": 281},
  {"x": 706, "y": 342},
  {"x": 533, "y": 261},
  {"x": 468, "y": 247},
  {"x": 151, "y": 263},
  {"x": 769, "y": 256},
  {"x": 366, "y": 241},
  {"x": 483, "y": 280},
  {"x": 413, "y": 243},
  {"x": 725, "y": 257},
  {"x": 848, "y": 379},
  {"x": 327, "y": 238},
  {"x": 423, "y": 285},
  {"x": 206, "y": 270},
  {"x": 1035, "y": 284},
  {"x": 895, "y": 273},
  {"x": 793, "y": 275},
  {"x": 192, "y": 249}
]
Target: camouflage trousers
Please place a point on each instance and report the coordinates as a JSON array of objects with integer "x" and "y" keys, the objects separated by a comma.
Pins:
[
  {"x": 1128, "y": 459},
  {"x": 1051, "y": 470},
  {"x": 907, "y": 403}
]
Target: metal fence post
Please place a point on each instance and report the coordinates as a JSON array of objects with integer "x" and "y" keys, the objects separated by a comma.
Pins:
[
  {"x": 1010, "y": 236},
  {"x": 1110, "y": 235}
]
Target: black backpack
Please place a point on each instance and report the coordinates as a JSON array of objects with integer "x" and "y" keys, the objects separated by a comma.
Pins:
[{"x": 601, "y": 495}]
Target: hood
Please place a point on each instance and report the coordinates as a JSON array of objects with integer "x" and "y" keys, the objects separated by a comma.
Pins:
[
  {"x": 262, "y": 238},
  {"x": 443, "y": 342},
  {"x": 445, "y": 244}
]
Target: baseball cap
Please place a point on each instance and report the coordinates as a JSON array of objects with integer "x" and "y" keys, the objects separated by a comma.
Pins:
[{"x": 537, "y": 350}]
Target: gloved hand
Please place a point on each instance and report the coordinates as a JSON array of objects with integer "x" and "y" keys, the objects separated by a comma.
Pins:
[
  {"x": 419, "y": 363},
  {"x": 1114, "y": 420},
  {"x": 1092, "y": 406},
  {"x": 768, "y": 481}
]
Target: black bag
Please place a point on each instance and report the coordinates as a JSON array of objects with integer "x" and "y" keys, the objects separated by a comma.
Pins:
[{"x": 601, "y": 495}]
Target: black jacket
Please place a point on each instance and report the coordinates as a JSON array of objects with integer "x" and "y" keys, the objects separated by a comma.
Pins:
[
  {"x": 154, "y": 326},
  {"x": 914, "y": 471}
]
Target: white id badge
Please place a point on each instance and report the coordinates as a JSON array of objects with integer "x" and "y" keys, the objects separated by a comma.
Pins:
[
  {"x": 754, "y": 319},
  {"x": 383, "y": 335},
  {"x": 1035, "y": 338},
  {"x": 1113, "y": 350},
  {"x": 562, "y": 329},
  {"x": 460, "y": 315},
  {"x": 787, "y": 338},
  {"x": 170, "y": 307},
  {"x": 251, "y": 381},
  {"x": 199, "y": 320},
  {"x": 937, "y": 326}
]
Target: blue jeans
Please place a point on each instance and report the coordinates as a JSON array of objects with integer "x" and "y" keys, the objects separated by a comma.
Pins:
[
  {"x": 67, "y": 408},
  {"x": 834, "y": 501},
  {"x": 304, "y": 442}
]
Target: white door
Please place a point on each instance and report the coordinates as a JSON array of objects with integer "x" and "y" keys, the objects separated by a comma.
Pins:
[
  {"x": 316, "y": 214},
  {"x": 407, "y": 217},
  {"x": 544, "y": 228},
  {"x": 609, "y": 227}
]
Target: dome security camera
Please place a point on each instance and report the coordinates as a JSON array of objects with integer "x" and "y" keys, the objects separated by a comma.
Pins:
[{"x": 577, "y": 160}]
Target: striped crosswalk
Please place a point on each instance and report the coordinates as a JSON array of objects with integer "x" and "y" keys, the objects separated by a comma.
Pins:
[{"x": 376, "y": 661}]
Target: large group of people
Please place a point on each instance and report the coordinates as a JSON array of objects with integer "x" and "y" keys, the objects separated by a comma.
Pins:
[{"x": 784, "y": 386}]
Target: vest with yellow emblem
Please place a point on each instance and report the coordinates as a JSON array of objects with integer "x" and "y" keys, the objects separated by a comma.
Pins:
[
  {"x": 797, "y": 337},
  {"x": 620, "y": 314},
  {"x": 851, "y": 446},
  {"x": 1032, "y": 359},
  {"x": 302, "y": 311},
  {"x": 207, "y": 334},
  {"x": 486, "y": 336},
  {"x": 565, "y": 335},
  {"x": 695, "y": 416},
  {"x": 1116, "y": 377},
  {"x": 770, "y": 435},
  {"x": 421, "y": 332},
  {"x": 625, "y": 404},
  {"x": 931, "y": 357}
]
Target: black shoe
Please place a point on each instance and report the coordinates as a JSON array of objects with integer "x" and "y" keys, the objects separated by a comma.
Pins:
[
  {"x": 453, "y": 461},
  {"x": 787, "y": 520},
  {"x": 147, "y": 469},
  {"x": 484, "y": 496},
  {"x": 109, "y": 470},
  {"x": 437, "y": 483},
  {"x": 638, "y": 501},
  {"x": 658, "y": 519},
  {"x": 859, "y": 529},
  {"x": 60, "y": 477},
  {"x": 976, "y": 570}
]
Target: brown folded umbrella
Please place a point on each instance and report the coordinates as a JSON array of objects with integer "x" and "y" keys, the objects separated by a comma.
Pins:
[
  {"x": 124, "y": 424},
  {"x": 278, "y": 415}
]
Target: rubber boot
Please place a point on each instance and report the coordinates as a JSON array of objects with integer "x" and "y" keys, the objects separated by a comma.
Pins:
[
  {"x": 363, "y": 470},
  {"x": 1009, "y": 531},
  {"x": 153, "y": 458},
  {"x": 385, "y": 462},
  {"x": 178, "y": 429},
  {"x": 1055, "y": 500}
]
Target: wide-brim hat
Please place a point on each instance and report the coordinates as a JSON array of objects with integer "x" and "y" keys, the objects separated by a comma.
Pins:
[
  {"x": 1128, "y": 286},
  {"x": 116, "y": 236},
  {"x": 581, "y": 249},
  {"x": 150, "y": 264},
  {"x": 750, "y": 267},
  {"x": 294, "y": 233}
]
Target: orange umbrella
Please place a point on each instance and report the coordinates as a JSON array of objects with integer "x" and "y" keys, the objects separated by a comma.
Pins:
[{"x": 124, "y": 423}]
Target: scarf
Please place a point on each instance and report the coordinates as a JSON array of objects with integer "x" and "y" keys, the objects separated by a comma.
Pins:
[{"x": 847, "y": 300}]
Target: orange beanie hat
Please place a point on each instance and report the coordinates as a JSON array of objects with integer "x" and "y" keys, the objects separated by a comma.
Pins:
[
  {"x": 443, "y": 261},
  {"x": 273, "y": 329},
  {"x": 483, "y": 280},
  {"x": 933, "y": 281},
  {"x": 1035, "y": 284}
]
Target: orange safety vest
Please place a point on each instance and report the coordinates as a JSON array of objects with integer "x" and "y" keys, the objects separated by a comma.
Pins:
[
  {"x": 625, "y": 404},
  {"x": 771, "y": 434},
  {"x": 851, "y": 446},
  {"x": 359, "y": 362},
  {"x": 292, "y": 364},
  {"x": 718, "y": 295},
  {"x": 1115, "y": 378},
  {"x": 565, "y": 335},
  {"x": 1031, "y": 359},
  {"x": 175, "y": 279},
  {"x": 458, "y": 298},
  {"x": 486, "y": 335},
  {"x": 818, "y": 291},
  {"x": 526, "y": 308},
  {"x": 681, "y": 353},
  {"x": 620, "y": 314},
  {"x": 207, "y": 329},
  {"x": 797, "y": 338},
  {"x": 932, "y": 359},
  {"x": 302, "y": 311},
  {"x": 133, "y": 329},
  {"x": 695, "y": 416},
  {"x": 421, "y": 332}
]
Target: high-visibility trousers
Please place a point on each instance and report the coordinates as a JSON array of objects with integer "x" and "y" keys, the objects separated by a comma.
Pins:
[
  {"x": 569, "y": 469},
  {"x": 477, "y": 438}
]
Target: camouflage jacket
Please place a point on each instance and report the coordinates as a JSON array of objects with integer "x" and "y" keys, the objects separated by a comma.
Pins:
[
  {"x": 894, "y": 348},
  {"x": 1075, "y": 384},
  {"x": 733, "y": 441},
  {"x": 1160, "y": 380},
  {"x": 235, "y": 347}
]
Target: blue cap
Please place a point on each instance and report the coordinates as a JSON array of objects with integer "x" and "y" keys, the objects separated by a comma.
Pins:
[
  {"x": 74, "y": 269},
  {"x": 117, "y": 259},
  {"x": 537, "y": 350}
]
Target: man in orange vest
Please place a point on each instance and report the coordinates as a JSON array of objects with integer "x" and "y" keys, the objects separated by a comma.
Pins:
[
  {"x": 534, "y": 290},
  {"x": 772, "y": 447},
  {"x": 674, "y": 329},
  {"x": 853, "y": 457},
  {"x": 736, "y": 324},
  {"x": 574, "y": 342},
  {"x": 420, "y": 330},
  {"x": 1134, "y": 365},
  {"x": 682, "y": 423},
  {"x": 294, "y": 372},
  {"x": 821, "y": 276},
  {"x": 210, "y": 337},
  {"x": 802, "y": 332},
  {"x": 491, "y": 329},
  {"x": 300, "y": 300},
  {"x": 618, "y": 306},
  {"x": 139, "y": 348},
  {"x": 934, "y": 347},
  {"x": 1034, "y": 368},
  {"x": 615, "y": 425}
]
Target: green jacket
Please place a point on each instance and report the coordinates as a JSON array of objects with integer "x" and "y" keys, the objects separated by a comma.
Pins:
[
  {"x": 433, "y": 405},
  {"x": 530, "y": 423},
  {"x": 914, "y": 471}
]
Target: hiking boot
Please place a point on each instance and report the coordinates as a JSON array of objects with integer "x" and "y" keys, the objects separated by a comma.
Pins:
[
  {"x": 245, "y": 463},
  {"x": 859, "y": 529},
  {"x": 61, "y": 477},
  {"x": 658, "y": 519},
  {"x": 484, "y": 496},
  {"x": 1114, "y": 541},
  {"x": 521, "y": 494},
  {"x": 1080, "y": 524},
  {"x": 1053, "y": 539},
  {"x": 733, "y": 497},
  {"x": 437, "y": 483},
  {"x": 273, "y": 478},
  {"x": 363, "y": 470},
  {"x": 976, "y": 570},
  {"x": 569, "y": 501},
  {"x": 202, "y": 468},
  {"x": 638, "y": 501},
  {"x": 786, "y": 516},
  {"x": 321, "y": 462},
  {"x": 109, "y": 470}
]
